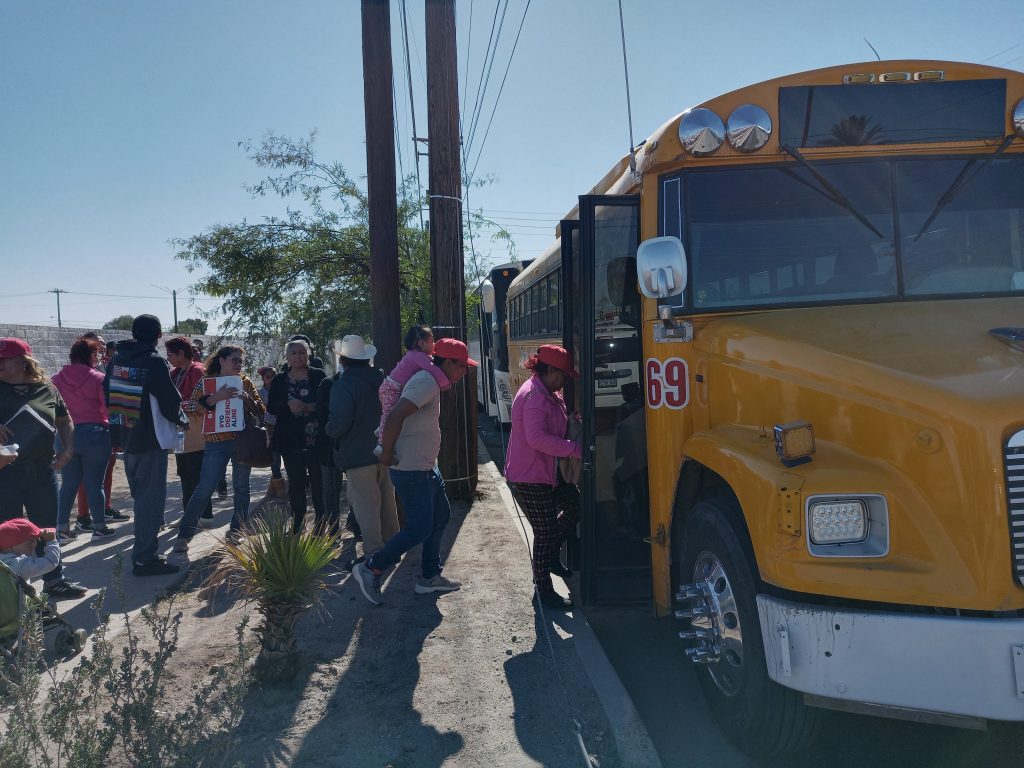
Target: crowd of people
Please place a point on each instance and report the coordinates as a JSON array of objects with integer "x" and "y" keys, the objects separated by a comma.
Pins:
[
  {"x": 379, "y": 432},
  {"x": 129, "y": 400}
]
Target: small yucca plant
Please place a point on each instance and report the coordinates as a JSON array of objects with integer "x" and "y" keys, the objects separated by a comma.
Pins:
[{"x": 282, "y": 574}]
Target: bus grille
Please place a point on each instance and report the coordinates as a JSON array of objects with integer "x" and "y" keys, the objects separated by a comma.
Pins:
[{"x": 1014, "y": 461}]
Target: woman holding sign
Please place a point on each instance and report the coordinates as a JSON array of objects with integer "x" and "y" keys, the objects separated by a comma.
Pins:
[{"x": 225, "y": 398}]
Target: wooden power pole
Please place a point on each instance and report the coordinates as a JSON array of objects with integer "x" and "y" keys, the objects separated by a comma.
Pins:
[
  {"x": 458, "y": 459},
  {"x": 381, "y": 184}
]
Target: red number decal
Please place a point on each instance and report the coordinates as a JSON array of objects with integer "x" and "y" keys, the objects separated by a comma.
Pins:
[{"x": 668, "y": 383}]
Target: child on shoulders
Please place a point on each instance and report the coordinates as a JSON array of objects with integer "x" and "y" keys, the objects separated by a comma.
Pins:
[{"x": 419, "y": 341}]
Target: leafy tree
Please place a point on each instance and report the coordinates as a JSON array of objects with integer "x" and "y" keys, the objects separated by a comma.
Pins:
[
  {"x": 119, "y": 323},
  {"x": 193, "y": 326},
  {"x": 308, "y": 270}
]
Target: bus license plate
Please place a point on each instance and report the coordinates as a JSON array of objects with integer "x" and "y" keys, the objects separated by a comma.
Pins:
[{"x": 607, "y": 383}]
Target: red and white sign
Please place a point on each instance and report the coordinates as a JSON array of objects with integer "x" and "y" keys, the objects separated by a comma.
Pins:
[
  {"x": 668, "y": 383},
  {"x": 226, "y": 415}
]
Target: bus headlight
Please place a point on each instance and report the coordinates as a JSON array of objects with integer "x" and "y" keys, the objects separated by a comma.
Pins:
[
  {"x": 838, "y": 522},
  {"x": 847, "y": 525}
]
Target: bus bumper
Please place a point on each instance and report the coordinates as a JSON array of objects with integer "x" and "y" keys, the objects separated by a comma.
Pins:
[{"x": 948, "y": 664}]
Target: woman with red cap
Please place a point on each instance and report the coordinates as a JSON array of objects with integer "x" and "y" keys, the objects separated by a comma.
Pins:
[
  {"x": 536, "y": 442},
  {"x": 31, "y": 411}
]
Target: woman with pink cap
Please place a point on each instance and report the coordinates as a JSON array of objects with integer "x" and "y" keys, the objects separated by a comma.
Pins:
[{"x": 536, "y": 442}]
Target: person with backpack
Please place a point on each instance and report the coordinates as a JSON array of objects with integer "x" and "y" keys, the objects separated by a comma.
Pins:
[{"x": 137, "y": 381}]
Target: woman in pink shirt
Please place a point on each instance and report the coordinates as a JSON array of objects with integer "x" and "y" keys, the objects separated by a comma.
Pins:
[
  {"x": 536, "y": 442},
  {"x": 81, "y": 386}
]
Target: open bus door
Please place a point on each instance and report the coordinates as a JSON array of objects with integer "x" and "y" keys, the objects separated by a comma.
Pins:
[{"x": 603, "y": 333}]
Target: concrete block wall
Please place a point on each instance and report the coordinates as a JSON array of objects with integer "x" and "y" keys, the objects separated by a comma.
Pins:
[{"x": 50, "y": 345}]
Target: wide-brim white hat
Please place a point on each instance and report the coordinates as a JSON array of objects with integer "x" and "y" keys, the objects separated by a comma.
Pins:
[{"x": 354, "y": 348}]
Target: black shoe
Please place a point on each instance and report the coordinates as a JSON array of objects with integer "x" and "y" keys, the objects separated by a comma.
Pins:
[
  {"x": 63, "y": 589},
  {"x": 115, "y": 514},
  {"x": 83, "y": 524},
  {"x": 349, "y": 565},
  {"x": 555, "y": 601},
  {"x": 103, "y": 533},
  {"x": 558, "y": 569},
  {"x": 206, "y": 516},
  {"x": 155, "y": 567}
]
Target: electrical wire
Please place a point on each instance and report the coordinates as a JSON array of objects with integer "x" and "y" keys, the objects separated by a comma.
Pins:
[
  {"x": 485, "y": 78},
  {"x": 412, "y": 110},
  {"x": 497, "y": 99}
]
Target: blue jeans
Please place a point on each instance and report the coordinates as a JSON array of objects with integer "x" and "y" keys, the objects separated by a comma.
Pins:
[
  {"x": 215, "y": 461},
  {"x": 147, "y": 479},
  {"x": 28, "y": 488},
  {"x": 426, "y": 514},
  {"x": 88, "y": 465}
]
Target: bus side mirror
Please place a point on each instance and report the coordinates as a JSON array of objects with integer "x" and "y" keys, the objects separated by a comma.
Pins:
[
  {"x": 487, "y": 296},
  {"x": 661, "y": 267}
]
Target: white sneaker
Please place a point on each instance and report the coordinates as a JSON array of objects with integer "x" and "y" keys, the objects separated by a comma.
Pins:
[
  {"x": 369, "y": 583},
  {"x": 437, "y": 584}
]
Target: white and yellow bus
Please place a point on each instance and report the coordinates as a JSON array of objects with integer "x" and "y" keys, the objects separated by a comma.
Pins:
[{"x": 822, "y": 466}]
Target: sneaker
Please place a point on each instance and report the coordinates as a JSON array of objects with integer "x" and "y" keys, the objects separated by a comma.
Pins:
[
  {"x": 103, "y": 533},
  {"x": 66, "y": 534},
  {"x": 181, "y": 545},
  {"x": 207, "y": 522},
  {"x": 348, "y": 565},
  {"x": 369, "y": 583},
  {"x": 558, "y": 569},
  {"x": 63, "y": 588},
  {"x": 554, "y": 601},
  {"x": 155, "y": 567},
  {"x": 83, "y": 524},
  {"x": 115, "y": 514},
  {"x": 233, "y": 536},
  {"x": 437, "y": 584}
]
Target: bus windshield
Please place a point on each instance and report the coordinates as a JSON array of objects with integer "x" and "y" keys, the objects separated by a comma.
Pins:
[{"x": 772, "y": 235}]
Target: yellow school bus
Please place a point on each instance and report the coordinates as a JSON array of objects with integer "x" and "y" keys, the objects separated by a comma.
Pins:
[{"x": 798, "y": 312}]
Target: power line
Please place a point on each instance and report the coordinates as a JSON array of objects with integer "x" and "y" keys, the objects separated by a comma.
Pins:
[
  {"x": 485, "y": 71},
  {"x": 1007, "y": 50},
  {"x": 412, "y": 111},
  {"x": 497, "y": 99}
]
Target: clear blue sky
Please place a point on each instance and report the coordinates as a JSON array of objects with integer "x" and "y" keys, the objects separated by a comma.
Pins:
[{"x": 120, "y": 119}]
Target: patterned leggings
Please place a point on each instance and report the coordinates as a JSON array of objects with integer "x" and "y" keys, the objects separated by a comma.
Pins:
[{"x": 541, "y": 504}]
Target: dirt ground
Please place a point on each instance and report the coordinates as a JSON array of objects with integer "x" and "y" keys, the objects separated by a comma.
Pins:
[{"x": 462, "y": 679}]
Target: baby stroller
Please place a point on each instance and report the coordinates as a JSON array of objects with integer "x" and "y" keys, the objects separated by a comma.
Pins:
[{"x": 64, "y": 639}]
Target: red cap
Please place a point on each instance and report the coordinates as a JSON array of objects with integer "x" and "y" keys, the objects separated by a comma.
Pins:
[
  {"x": 453, "y": 349},
  {"x": 555, "y": 356},
  {"x": 17, "y": 531},
  {"x": 14, "y": 348}
]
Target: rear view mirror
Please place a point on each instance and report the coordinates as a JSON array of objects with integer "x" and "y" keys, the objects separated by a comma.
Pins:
[
  {"x": 487, "y": 296},
  {"x": 661, "y": 267}
]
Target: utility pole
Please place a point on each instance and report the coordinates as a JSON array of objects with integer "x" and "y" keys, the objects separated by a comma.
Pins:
[
  {"x": 174, "y": 300},
  {"x": 458, "y": 459},
  {"x": 58, "y": 291},
  {"x": 381, "y": 184}
]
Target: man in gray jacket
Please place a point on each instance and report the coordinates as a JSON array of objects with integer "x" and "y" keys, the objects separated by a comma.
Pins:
[{"x": 354, "y": 415}]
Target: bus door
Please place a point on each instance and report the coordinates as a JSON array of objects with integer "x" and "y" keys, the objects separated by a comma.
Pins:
[{"x": 615, "y": 561}]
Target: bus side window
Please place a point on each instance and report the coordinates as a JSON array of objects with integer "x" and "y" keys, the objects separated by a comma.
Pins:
[{"x": 554, "y": 316}]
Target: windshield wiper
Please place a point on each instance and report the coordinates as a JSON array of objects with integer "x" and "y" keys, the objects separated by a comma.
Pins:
[
  {"x": 833, "y": 193},
  {"x": 961, "y": 181}
]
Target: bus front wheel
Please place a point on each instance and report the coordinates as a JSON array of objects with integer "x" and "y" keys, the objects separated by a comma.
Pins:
[{"x": 719, "y": 583}]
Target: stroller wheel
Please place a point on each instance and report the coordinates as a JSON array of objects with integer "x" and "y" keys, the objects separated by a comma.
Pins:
[
  {"x": 63, "y": 642},
  {"x": 78, "y": 640}
]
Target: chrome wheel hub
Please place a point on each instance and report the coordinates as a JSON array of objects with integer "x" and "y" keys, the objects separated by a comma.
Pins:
[{"x": 715, "y": 637}]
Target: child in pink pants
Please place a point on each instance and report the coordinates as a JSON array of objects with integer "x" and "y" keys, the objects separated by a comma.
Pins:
[{"x": 419, "y": 342}]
